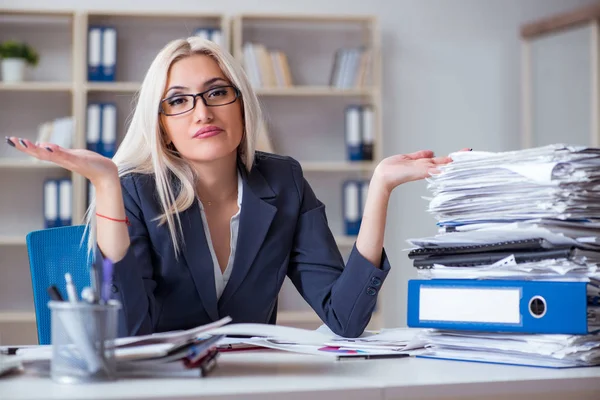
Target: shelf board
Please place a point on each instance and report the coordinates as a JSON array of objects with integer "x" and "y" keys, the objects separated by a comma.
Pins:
[
  {"x": 17, "y": 316},
  {"x": 120, "y": 87},
  {"x": 307, "y": 18},
  {"x": 312, "y": 91},
  {"x": 26, "y": 163},
  {"x": 36, "y": 87},
  {"x": 12, "y": 240},
  {"x": 341, "y": 166}
]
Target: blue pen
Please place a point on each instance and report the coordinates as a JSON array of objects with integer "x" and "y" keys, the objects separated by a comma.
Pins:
[{"x": 107, "y": 275}]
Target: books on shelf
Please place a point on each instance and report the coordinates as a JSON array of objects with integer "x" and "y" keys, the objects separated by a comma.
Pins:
[
  {"x": 351, "y": 68},
  {"x": 58, "y": 131},
  {"x": 266, "y": 68}
]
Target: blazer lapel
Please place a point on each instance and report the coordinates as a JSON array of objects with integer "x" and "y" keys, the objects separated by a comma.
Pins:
[
  {"x": 199, "y": 260},
  {"x": 255, "y": 219}
]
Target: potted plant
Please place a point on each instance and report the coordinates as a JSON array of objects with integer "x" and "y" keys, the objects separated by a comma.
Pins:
[{"x": 14, "y": 57}]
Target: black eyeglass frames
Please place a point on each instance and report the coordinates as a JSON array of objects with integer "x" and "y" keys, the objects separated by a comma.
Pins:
[{"x": 213, "y": 97}]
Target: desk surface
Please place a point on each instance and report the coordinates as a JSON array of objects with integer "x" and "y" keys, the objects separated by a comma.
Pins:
[{"x": 275, "y": 375}]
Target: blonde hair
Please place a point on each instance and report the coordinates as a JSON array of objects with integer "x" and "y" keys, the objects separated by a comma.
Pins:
[{"x": 144, "y": 149}]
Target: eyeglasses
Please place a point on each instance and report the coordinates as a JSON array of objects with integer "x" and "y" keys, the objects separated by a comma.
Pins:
[{"x": 215, "y": 97}]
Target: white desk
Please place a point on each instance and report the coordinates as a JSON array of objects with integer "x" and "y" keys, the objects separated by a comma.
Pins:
[{"x": 273, "y": 375}]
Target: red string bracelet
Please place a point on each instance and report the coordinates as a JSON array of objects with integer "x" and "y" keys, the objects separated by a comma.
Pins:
[{"x": 126, "y": 220}]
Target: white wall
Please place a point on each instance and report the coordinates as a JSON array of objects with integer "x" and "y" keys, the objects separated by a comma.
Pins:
[{"x": 451, "y": 70}]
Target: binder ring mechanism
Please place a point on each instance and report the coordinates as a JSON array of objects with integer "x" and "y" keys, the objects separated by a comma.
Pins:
[{"x": 537, "y": 307}]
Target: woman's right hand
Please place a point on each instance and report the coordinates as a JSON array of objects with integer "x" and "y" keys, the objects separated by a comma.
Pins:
[{"x": 96, "y": 168}]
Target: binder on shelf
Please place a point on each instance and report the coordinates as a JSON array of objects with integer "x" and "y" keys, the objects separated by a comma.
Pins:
[
  {"x": 102, "y": 53},
  {"x": 351, "y": 208},
  {"x": 51, "y": 219},
  {"x": 93, "y": 127},
  {"x": 367, "y": 134},
  {"x": 109, "y": 54},
  {"x": 65, "y": 209},
  {"x": 540, "y": 307},
  {"x": 108, "y": 136},
  {"x": 352, "y": 133},
  {"x": 94, "y": 53},
  {"x": 212, "y": 34}
]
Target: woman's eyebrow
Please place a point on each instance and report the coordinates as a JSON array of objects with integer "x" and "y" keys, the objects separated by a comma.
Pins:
[
  {"x": 214, "y": 80},
  {"x": 174, "y": 88}
]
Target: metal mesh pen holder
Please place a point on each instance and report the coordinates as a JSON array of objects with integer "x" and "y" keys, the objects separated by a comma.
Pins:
[{"x": 83, "y": 337}]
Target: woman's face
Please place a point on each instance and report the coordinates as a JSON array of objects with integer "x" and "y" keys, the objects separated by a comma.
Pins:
[{"x": 204, "y": 133}]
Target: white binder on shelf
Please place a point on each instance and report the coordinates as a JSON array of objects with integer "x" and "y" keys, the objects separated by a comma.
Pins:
[
  {"x": 352, "y": 133},
  {"x": 93, "y": 127},
  {"x": 367, "y": 132},
  {"x": 65, "y": 209},
  {"x": 108, "y": 136},
  {"x": 351, "y": 210},
  {"x": 51, "y": 219},
  {"x": 109, "y": 54},
  {"x": 94, "y": 53}
]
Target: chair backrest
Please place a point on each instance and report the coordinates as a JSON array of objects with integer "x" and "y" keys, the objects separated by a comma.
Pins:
[{"x": 53, "y": 252}]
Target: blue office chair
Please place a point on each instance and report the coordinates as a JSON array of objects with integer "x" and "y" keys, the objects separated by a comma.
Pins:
[{"x": 53, "y": 252}]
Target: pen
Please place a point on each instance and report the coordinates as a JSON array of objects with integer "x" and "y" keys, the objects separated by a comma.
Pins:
[
  {"x": 107, "y": 273},
  {"x": 95, "y": 283},
  {"x": 375, "y": 356},
  {"x": 71, "y": 291},
  {"x": 54, "y": 293}
]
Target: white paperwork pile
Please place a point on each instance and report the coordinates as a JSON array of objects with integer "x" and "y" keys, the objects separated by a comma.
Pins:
[
  {"x": 163, "y": 353},
  {"x": 548, "y": 196}
]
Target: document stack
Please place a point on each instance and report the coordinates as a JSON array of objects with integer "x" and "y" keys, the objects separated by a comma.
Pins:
[{"x": 512, "y": 275}]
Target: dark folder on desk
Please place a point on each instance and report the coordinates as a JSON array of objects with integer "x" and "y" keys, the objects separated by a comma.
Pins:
[{"x": 528, "y": 250}]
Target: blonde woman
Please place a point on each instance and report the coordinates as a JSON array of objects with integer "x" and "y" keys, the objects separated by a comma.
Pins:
[{"x": 202, "y": 226}]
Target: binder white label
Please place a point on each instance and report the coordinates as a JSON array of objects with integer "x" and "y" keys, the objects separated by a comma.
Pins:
[
  {"x": 50, "y": 200},
  {"x": 352, "y": 126},
  {"x": 498, "y": 305},
  {"x": 109, "y": 47},
  {"x": 94, "y": 40},
  {"x": 93, "y": 123},
  {"x": 367, "y": 125},
  {"x": 65, "y": 200},
  {"x": 351, "y": 199},
  {"x": 109, "y": 124}
]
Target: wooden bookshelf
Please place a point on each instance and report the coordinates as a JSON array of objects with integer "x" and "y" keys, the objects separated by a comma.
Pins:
[{"x": 317, "y": 144}]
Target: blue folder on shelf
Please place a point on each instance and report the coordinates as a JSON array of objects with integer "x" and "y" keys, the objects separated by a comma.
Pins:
[{"x": 549, "y": 307}]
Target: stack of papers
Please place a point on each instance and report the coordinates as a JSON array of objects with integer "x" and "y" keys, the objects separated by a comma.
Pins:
[
  {"x": 531, "y": 214},
  {"x": 557, "y": 351},
  {"x": 528, "y": 214}
]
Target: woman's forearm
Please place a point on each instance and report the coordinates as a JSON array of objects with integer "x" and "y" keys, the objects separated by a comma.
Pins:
[
  {"x": 112, "y": 236},
  {"x": 369, "y": 242}
]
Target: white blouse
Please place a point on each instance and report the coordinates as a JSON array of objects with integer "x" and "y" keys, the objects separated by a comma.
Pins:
[{"x": 221, "y": 278}]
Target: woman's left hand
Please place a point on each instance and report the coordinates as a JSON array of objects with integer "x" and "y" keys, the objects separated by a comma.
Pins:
[{"x": 401, "y": 168}]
